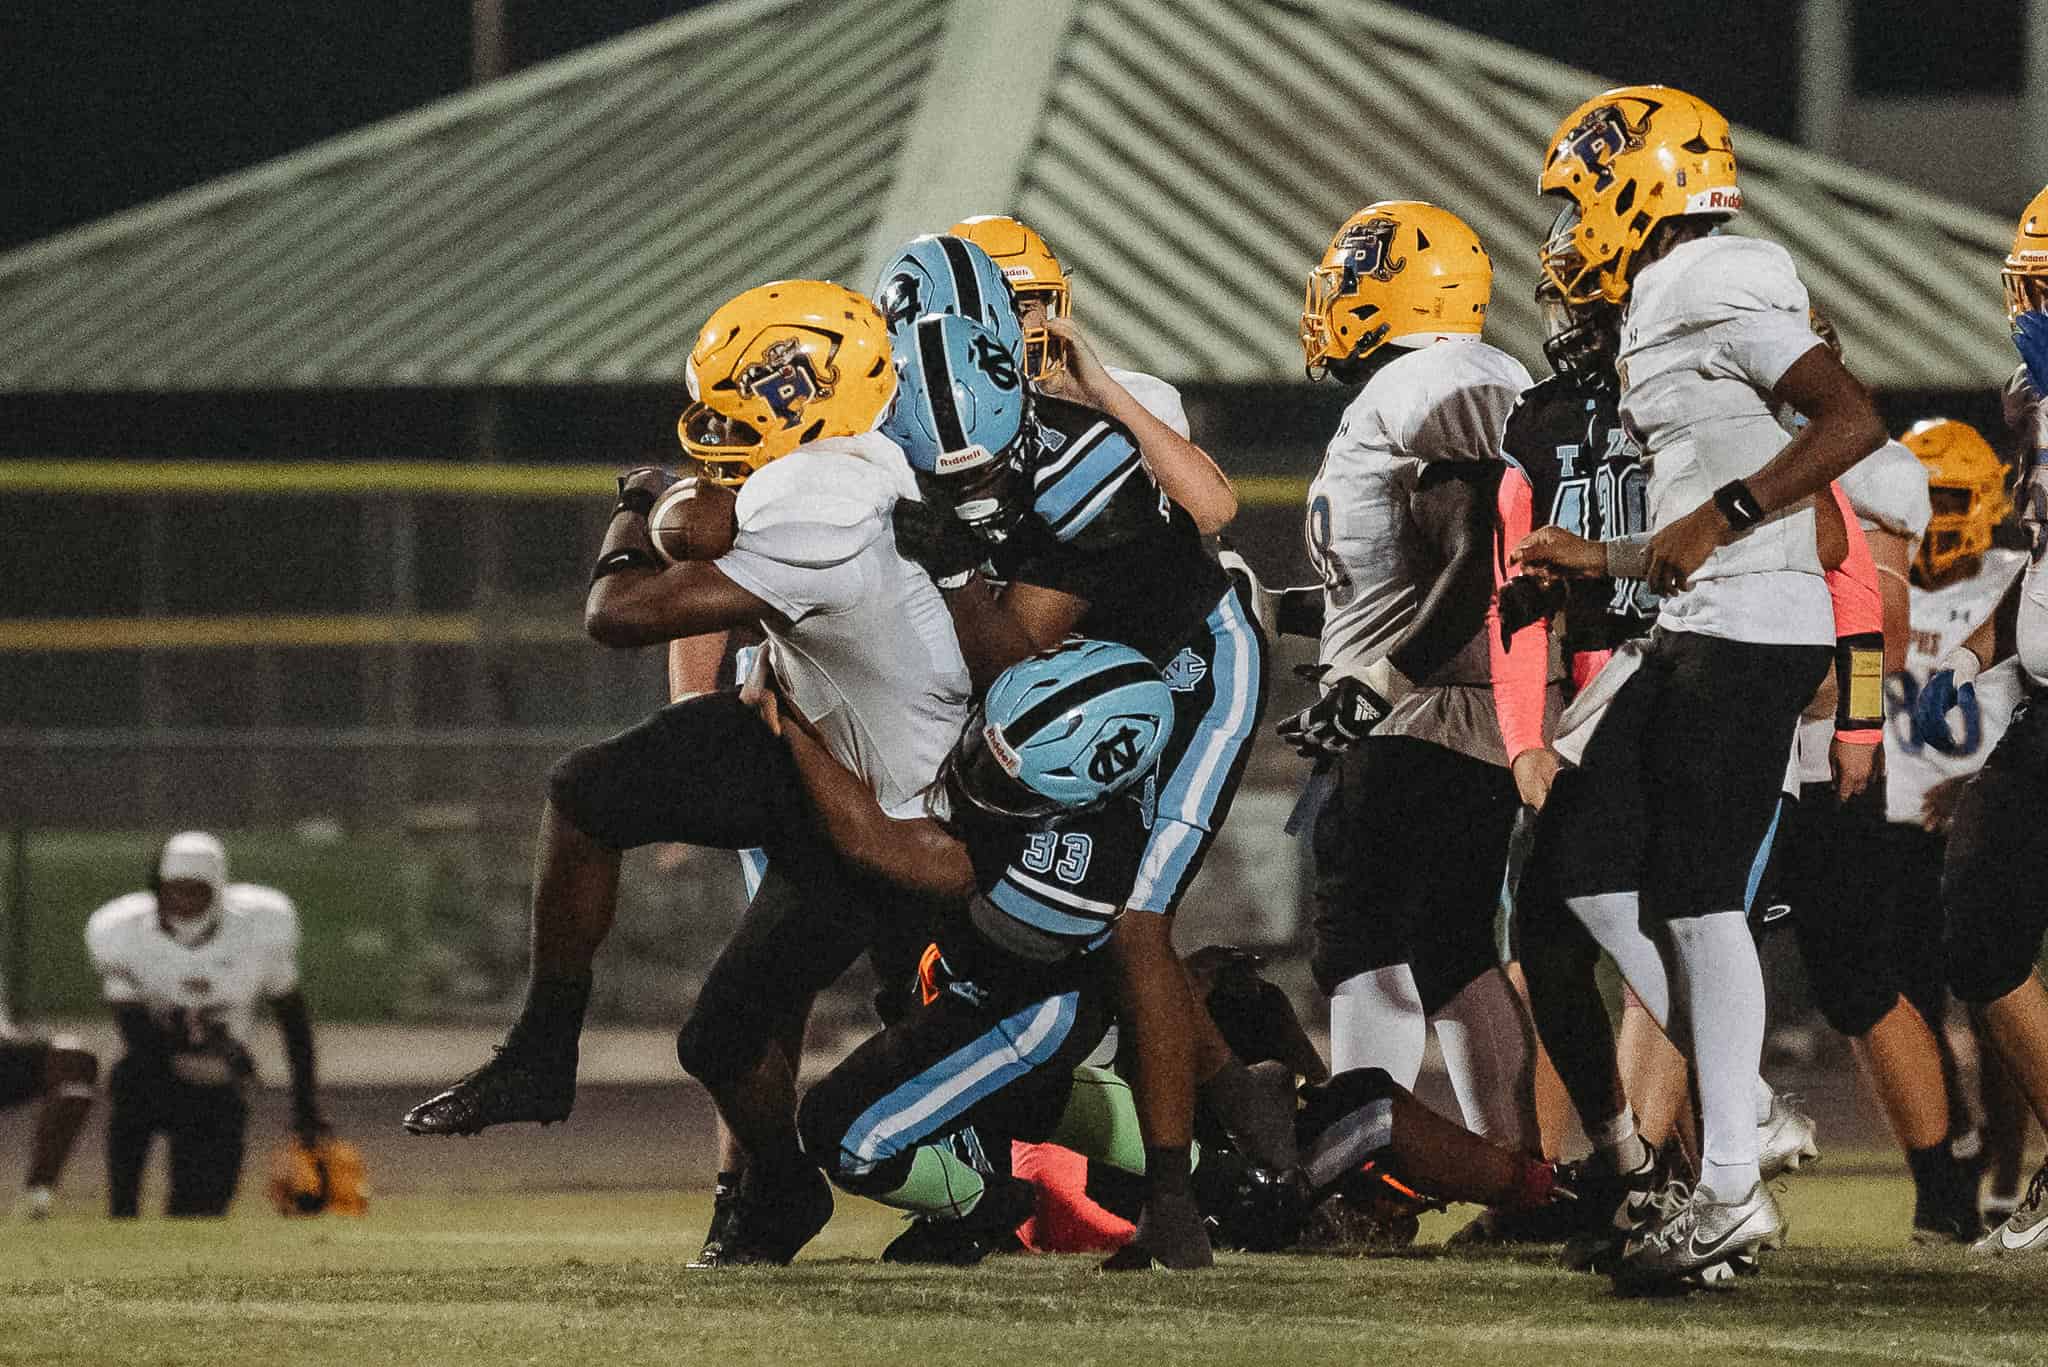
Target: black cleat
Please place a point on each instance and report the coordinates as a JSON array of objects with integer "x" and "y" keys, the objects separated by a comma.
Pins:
[
  {"x": 725, "y": 1205},
  {"x": 991, "y": 1227},
  {"x": 768, "y": 1228},
  {"x": 515, "y": 1085}
]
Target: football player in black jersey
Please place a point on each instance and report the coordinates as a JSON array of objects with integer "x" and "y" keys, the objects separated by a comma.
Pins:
[{"x": 1072, "y": 524}]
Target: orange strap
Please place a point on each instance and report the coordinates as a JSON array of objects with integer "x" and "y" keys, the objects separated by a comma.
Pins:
[{"x": 928, "y": 974}]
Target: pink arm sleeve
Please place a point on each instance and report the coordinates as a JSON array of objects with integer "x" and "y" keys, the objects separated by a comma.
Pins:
[
  {"x": 1858, "y": 598},
  {"x": 1519, "y": 674}
]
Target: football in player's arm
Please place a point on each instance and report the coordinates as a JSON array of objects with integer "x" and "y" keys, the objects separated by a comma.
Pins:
[{"x": 185, "y": 966}]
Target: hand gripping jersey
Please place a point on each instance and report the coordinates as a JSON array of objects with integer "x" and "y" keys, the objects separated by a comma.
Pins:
[
  {"x": 1942, "y": 619},
  {"x": 1051, "y": 893},
  {"x": 870, "y": 656},
  {"x": 1708, "y": 332},
  {"x": 251, "y": 958},
  {"x": 1101, "y": 530},
  {"x": 1586, "y": 476}
]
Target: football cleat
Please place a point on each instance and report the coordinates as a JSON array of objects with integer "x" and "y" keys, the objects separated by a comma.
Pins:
[
  {"x": 963, "y": 1241},
  {"x": 34, "y": 1204},
  {"x": 2025, "y": 1230},
  {"x": 1785, "y": 1141},
  {"x": 1696, "y": 1235},
  {"x": 1171, "y": 1236},
  {"x": 1612, "y": 1206},
  {"x": 725, "y": 1204},
  {"x": 515, "y": 1085},
  {"x": 768, "y": 1228}
]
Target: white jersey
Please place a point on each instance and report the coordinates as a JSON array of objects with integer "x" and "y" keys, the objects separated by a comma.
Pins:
[
  {"x": 252, "y": 957},
  {"x": 1709, "y": 330},
  {"x": 2028, "y": 415},
  {"x": 1446, "y": 401},
  {"x": 1943, "y": 619},
  {"x": 1156, "y": 396},
  {"x": 869, "y": 655}
]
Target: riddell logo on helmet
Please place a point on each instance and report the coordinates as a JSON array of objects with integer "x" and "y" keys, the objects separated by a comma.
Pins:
[
  {"x": 1000, "y": 748},
  {"x": 967, "y": 458},
  {"x": 1721, "y": 199}
]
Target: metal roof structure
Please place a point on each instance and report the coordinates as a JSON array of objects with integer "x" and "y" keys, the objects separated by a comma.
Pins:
[{"x": 1188, "y": 159}]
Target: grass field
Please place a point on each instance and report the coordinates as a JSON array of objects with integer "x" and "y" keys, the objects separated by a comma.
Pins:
[{"x": 595, "y": 1279}]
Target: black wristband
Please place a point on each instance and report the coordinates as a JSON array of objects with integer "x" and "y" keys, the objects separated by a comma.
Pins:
[
  {"x": 1738, "y": 505},
  {"x": 639, "y": 502},
  {"x": 621, "y": 560}
]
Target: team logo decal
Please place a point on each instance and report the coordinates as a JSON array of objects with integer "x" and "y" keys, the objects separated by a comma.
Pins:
[
  {"x": 996, "y": 363},
  {"x": 1115, "y": 756},
  {"x": 1368, "y": 249},
  {"x": 1184, "y": 671},
  {"x": 1602, "y": 136},
  {"x": 786, "y": 381},
  {"x": 902, "y": 299}
]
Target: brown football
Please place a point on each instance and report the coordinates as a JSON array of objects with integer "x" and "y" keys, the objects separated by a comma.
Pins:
[{"x": 693, "y": 521}]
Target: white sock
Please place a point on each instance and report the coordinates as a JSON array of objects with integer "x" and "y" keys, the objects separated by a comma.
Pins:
[
  {"x": 1486, "y": 1039},
  {"x": 1765, "y": 1099},
  {"x": 1720, "y": 989},
  {"x": 1615, "y": 921},
  {"x": 1615, "y": 1140},
  {"x": 1376, "y": 1021}
]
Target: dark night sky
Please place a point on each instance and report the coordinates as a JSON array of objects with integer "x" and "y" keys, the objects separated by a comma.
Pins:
[{"x": 110, "y": 103}]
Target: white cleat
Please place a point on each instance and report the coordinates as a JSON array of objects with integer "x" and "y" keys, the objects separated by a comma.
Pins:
[
  {"x": 2025, "y": 1230},
  {"x": 1786, "y": 1141},
  {"x": 34, "y": 1204},
  {"x": 1698, "y": 1235}
]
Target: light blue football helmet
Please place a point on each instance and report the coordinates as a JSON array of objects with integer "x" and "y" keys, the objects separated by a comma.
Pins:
[
  {"x": 1063, "y": 731},
  {"x": 959, "y": 415},
  {"x": 938, "y": 273}
]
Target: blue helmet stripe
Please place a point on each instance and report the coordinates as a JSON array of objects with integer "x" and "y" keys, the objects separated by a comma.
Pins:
[{"x": 1075, "y": 692}]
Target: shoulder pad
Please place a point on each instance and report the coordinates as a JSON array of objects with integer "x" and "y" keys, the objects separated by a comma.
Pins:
[
  {"x": 1714, "y": 280},
  {"x": 1888, "y": 489},
  {"x": 1159, "y": 398},
  {"x": 813, "y": 508},
  {"x": 113, "y": 920},
  {"x": 269, "y": 911}
]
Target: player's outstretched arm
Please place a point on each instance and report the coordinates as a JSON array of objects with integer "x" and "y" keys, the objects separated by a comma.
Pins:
[
  {"x": 918, "y": 854},
  {"x": 1184, "y": 472}
]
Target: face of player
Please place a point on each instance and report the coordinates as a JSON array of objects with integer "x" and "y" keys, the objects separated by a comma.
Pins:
[
  {"x": 1031, "y": 311},
  {"x": 183, "y": 900}
]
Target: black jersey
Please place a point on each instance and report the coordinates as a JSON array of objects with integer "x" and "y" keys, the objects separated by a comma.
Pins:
[
  {"x": 1101, "y": 530},
  {"x": 1587, "y": 476},
  {"x": 1055, "y": 889}
]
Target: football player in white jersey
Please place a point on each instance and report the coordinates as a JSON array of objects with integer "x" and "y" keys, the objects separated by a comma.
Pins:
[
  {"x": 185, "y": 966},
  {"x": 1059, "y": 361},
  {"x": 1400, "y": 527},
  {"x": 790, "y": 381},
  {"x": 59, "y": 1075},
  {"x": 1679, "y": 783},
  {"x": 1995, "y": 915}
]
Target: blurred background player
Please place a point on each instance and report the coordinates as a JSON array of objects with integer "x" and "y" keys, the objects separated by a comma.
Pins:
[
  {"x": 1679, "y": 783},
  {"x": 790, "y": 381},
  {"x": 1995, "y": 915},
  {"x": 185, "y": 965},
  {"x": 1060, "y": 501},
  {"x": 1400, "y": 525},
  {"x": 59, "y": 1076}
]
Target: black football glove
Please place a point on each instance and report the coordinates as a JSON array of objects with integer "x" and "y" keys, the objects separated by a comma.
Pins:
[
  {"x": 641, "y": 486},
  {"x": 1345, "y": 715},
  {"x": 1525, "y": 600},
  {"x": 931, "y": 535}
]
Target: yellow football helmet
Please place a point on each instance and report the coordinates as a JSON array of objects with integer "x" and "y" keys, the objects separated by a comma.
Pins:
[
  {"x": 1034, "y": 272},
  {"x": 1965, "y": 485},
  {"x": 2026, "y": 270},
  {"x": 1627, "y": 160},
  {"x": 780, "y": 365},
  {"x": 1396, "y": 269}
]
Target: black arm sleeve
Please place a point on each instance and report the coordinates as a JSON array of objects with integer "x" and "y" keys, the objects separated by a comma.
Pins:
[
  {"x": 297, "y": 1027},
  {"x": 1454, "y": 508}
]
